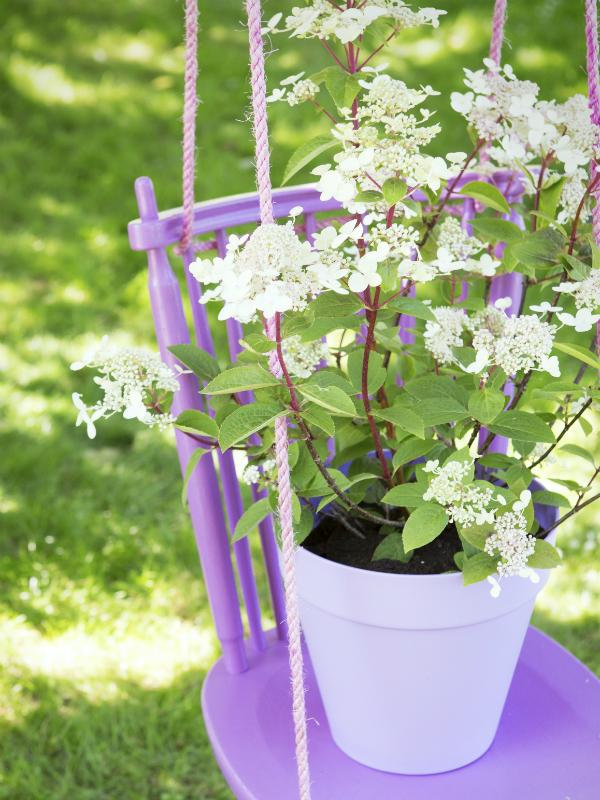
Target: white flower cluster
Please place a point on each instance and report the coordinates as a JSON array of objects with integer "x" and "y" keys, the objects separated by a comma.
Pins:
[
  {"x": 466, "y": 503},
  {"x": 135, "y": 383},
  {"x": 586, "y": 293},
  {"x": 337, "y": 249},
  {"x": 506, "y": 111},
  {"x": 571, "y": 194},
  {"x": 271, "y": 271},
  {"x": 303, "y": 359},
  {"x": 323, "y": 19},
  {"x": 294, "y": 89},
  {"x": 387, "y": 144},
  {"x": 511, "y": 543},
  {"x": 512, "y": 343},
  {"x": 262, "y": 474},
  {"x": 469, "y": 504},
  {"x": 442, "y": 336}
]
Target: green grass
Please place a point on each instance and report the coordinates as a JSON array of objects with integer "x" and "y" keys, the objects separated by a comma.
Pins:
[{"x": 104, "y": 624}]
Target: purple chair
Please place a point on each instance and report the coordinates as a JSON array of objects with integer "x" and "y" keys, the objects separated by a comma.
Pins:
[{"x": 548, "y": 745}]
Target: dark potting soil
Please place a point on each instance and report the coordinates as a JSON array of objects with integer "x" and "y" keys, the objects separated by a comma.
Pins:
[{"x": 332, "y": 540}]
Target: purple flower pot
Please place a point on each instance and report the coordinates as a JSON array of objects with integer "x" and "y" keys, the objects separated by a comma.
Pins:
[{"x": 413, "y": 670}]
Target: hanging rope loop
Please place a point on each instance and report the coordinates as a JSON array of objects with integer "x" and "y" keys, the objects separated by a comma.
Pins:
[{"x": 265, "y": 194}]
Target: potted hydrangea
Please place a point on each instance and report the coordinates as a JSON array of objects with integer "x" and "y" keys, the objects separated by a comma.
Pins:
[{"x": 437, "y": 345}]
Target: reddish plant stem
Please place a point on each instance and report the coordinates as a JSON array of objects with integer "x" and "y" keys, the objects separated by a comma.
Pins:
[
  {"x": 592, "y": 185},
  {"x": 369, "y": 345},
  {"x": 377, "y": 49},
  {"x": 295, "y": 405},
  {"x": 334, "y": 55},
  {"x": 538, "y": 189}
]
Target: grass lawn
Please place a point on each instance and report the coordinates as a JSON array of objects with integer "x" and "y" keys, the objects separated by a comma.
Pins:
[{"x": 104, "y": 624}]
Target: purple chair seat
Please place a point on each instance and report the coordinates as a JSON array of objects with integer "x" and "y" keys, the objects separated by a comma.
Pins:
[{"x": 547, "y": 747}]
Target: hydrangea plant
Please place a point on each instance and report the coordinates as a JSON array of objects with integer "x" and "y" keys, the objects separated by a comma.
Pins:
[{"x": 402, "y": 360}]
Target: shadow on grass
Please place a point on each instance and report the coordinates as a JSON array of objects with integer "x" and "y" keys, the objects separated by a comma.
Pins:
[{"x": 146, "y": 744}]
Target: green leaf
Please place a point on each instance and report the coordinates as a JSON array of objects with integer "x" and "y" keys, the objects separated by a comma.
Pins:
[
  {"x": 330, "y": 304},
  {"x": 424, "y": 524},
  {"x": 411, "y": 449},
  {"x": 547, "y": 498},
  {"x": 257, "y": 343},
  {"x": 476, "y": 535},
  {"x": 545, "y": 556},
  {"x": 245, "y": 421},
  {"x": 578, "y": 352},
  {"x": 241, "y": 379},
  {"x": 306, "y": 153},
  {"x": 330, "y": 398},
  {"x": 368, "y": 196},
  {"x": 317, "y": 416},
  {"x": 478, "y": 568},
  {"x": 407, "y": 495},
  {"x": 305, "y": 525},
  {"x": 197, "y": 422},
  {"x": 576, "y": 450},
  {"x": 549, "y": 197},
  {"x": 413, "y": 308},
  {"x": 195, "y": 358},
  {"x": 404, "y": 418},
  {"x": 342, "y": 87},
  {"x": 486, "y": 194},
  {"x": 485, "y": 404},
  {"x": 495, "y": 229},
  {"x": 436, "y": 386},
  {"x": 377, "y": 372},
  {"x": 331, "y": 377},
  {"x": 391, "y": 548},
  {"x": 394, "y": 190},
  {"x": 251, "y": 517},
  {"x": 523, "y": 426},
  {"x": 438, "y": 411},
  {"x": 540, "y": 249},
  {"x": 191, "y": 465}
]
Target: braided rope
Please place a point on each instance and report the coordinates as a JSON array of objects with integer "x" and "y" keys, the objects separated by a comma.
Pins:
[
  {"x": 593, "y": 79},
  {"x": 498, "y": 21},
  {"x": 263, "y": 181},
  {"x": 190, "y": 103}
]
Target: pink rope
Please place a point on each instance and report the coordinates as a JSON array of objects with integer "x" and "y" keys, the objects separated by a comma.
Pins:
[
  {"x": 591, "y": 40},
  {"x": 263, "y": 181},
  {"x": 190, "y": 103},
  {"x": 498, "y": 21}
]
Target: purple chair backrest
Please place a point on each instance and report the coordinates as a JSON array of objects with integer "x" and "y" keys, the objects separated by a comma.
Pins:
[
  {"x": 216, "y": 505},
  {"x": 154, "y": 232}
]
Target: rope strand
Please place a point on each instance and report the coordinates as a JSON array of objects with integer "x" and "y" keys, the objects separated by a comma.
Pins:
[
  {"x": 498, "y": 21},
  {"x": 593, "y": 79},
  {"x": 190, "y": 103},
  {"x": 263, "y": 181}
]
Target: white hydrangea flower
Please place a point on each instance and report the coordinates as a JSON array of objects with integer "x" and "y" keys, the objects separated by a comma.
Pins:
[
  {"x": 294, "y": 90},
  {"x": 135, "y": 383},
  {"x": 457, "y": 241},
  {"x": 467, "y": 504},
  {"x": 571, "y": 195},
  {"x": 262, "y": 473},
  {"x": 323, "y": 19},
  {"x": 510, "y": 543},
  {"x": 303, "y": 359},
  {"x": 447, "y": 333},
  {"x": 586, "y": 293},
  {"x": 514, "y": 343},
  {"x": 272, "y": 271},
  {"x": 582, "y": 321}
]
